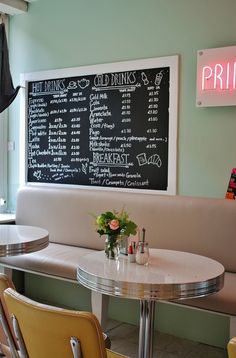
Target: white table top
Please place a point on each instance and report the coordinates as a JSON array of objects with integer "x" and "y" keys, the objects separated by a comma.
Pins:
[
  {"x": 7, "y": 218},
  {"x": 169, "y": 275},
  {"x": 20, "y": 239}
]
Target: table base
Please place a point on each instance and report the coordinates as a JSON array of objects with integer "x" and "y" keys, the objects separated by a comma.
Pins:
[{"x": 147, "y": 314}]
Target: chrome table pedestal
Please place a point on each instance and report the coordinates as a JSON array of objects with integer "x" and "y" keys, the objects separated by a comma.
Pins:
[{"x": 147, "y": 310}]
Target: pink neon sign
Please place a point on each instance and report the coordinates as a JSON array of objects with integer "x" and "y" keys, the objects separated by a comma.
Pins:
[
  {"x": 220, "y": 76},
  {"x": 216, "y": 77}
]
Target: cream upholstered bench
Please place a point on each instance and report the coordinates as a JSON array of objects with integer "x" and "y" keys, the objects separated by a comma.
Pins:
[{"x": 204, "y": 226}]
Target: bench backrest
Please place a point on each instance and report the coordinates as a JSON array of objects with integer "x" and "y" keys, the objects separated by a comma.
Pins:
[{"x": 204, "y": 226}]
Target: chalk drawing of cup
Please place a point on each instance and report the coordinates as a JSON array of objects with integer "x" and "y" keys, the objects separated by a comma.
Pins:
[
  {"x": 72, "y": 85},
  {"x": 83, "y": 83},
  {"x": 142, "y": 159}
]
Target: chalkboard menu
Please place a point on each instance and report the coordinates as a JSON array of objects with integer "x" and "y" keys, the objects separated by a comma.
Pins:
[{"x": 101, "y": 129}]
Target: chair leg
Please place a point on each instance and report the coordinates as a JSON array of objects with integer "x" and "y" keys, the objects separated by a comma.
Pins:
[
  {"x": 7, "y": 333},
  {"x": 100, "y": 305}
]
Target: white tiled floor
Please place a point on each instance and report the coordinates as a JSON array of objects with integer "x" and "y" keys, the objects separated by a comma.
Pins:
[{"x": 124, "y": 339}]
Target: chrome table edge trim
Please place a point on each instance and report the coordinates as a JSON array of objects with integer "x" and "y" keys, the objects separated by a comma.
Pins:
[
  {"x": 145, "y": 291},
  {"x": 23, "y": 248}
]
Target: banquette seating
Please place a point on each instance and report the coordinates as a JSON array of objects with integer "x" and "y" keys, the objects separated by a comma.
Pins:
[{"x": 204, "y": 226}]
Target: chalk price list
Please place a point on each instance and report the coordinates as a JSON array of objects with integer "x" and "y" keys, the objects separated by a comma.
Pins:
[{"x": 100, "y": 130}]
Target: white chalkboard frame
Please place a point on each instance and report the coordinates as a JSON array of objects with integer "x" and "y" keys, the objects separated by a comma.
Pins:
[{"x": 167, "y": 61}]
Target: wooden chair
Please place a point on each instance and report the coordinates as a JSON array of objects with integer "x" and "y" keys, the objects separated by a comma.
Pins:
[
  {"x": 232, "y": 348},
  {"x": 48, "y": 331},
  {"x": 8, "y": 343}
]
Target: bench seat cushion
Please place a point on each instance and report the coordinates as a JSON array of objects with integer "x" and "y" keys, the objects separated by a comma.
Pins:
[
  {"x": 56, "y": 260},
  {"x": 222, "y": 301}
]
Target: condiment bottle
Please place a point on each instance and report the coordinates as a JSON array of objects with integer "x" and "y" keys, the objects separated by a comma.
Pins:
[{"x": 131, "y": 254}]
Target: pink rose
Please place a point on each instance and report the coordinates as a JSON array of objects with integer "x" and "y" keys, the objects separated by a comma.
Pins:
[{"x": 114, "y": 224}]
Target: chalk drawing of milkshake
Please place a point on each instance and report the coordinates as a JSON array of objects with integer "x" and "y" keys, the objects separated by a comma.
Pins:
[{"x": 158, "y": 78}]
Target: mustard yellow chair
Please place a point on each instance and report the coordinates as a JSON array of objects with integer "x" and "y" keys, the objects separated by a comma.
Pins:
[
  {"x": 48, "y": 331},
  {"x": 8, "y": 343},
  {"x": 232, "y": 348}
]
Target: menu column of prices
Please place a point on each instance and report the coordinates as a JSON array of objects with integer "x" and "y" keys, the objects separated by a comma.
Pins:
[{"x": 107, "y": 130}]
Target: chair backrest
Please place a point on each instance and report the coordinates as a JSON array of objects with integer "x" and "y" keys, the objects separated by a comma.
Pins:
[
  {"x": 8, "y": 343},
  {"x": 231, "y": 348},
  {"x": 47, "y": 330}
]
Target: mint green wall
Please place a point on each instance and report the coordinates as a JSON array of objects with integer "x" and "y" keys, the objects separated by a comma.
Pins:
[{"x": 59, "y": 33}]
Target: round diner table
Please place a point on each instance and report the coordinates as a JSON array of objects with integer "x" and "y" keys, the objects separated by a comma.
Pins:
[
  {"x": 169, "y": 275},
  {"x": 21, "y": 239}
]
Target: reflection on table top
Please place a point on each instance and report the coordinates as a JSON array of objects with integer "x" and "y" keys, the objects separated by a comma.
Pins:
[
  {"x": 20, "y": 239},
  {"x": 169, "y": 275}
]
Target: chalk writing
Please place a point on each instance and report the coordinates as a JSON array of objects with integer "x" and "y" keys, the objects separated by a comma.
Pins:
[{"x": 108, "y": 129}]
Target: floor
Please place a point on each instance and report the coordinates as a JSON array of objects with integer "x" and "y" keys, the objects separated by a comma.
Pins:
[{"x": 124, "y": 339}]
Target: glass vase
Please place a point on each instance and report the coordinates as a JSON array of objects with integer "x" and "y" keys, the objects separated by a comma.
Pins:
[
  {"x": 124, "y": 243},
  {"x": 112, "y": 247}
]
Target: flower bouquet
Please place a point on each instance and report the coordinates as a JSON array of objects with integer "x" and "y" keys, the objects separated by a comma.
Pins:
[{"x": 117, "y": 226}]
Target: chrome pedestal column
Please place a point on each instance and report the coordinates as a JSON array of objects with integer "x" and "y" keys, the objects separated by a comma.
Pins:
[{"x": 147, "y": 312}]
